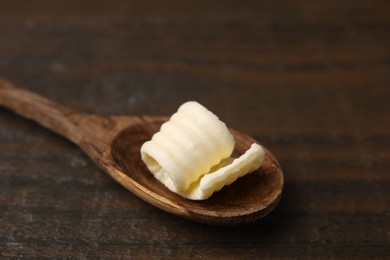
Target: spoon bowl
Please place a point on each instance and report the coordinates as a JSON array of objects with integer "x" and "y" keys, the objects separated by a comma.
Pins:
[{"x": 114, "y": 142}]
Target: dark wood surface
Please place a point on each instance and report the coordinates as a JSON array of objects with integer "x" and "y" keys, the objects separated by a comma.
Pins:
[{"x": 309, "y": 79}]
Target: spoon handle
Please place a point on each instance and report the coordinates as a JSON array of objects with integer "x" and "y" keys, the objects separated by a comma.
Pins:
[{"x": 49, "y": 114}]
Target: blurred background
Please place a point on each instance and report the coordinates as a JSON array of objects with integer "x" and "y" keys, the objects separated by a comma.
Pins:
[
  {"x": 309, "y": 79},
  {"x": 166, "y": 52}
]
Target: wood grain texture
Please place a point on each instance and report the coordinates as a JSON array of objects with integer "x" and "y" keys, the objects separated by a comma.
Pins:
[{"x": 309, "y": 79}]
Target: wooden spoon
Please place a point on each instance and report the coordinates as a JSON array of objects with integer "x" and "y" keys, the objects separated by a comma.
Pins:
[{"x": 113, "y": 143}]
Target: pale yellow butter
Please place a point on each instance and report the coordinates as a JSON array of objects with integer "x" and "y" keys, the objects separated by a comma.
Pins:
[{"x": 189, "y": 153}]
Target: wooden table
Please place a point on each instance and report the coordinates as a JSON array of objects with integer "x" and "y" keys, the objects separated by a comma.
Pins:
[{"x": 309, "y": 79}]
